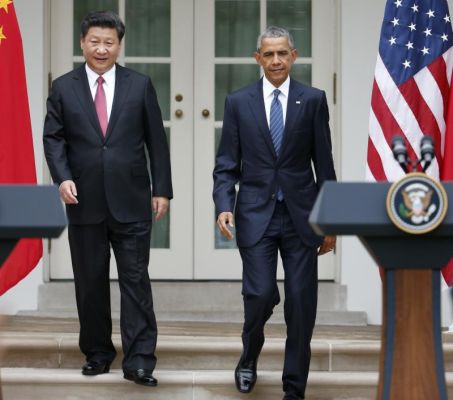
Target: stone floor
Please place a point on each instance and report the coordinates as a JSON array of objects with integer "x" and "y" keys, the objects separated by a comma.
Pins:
[
  {"x": 70, "y": 325},
  {"x": 330, "y": 380}
]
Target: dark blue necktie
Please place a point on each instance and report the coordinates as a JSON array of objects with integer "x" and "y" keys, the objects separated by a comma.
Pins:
[
  {"x": 277, "y": 127},
  {"x": 276, "y": 122}
]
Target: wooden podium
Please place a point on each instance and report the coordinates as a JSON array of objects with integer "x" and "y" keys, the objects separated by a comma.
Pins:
[
  {"x": 411, "y": 359},
  {"x": 28, "y": 211}
]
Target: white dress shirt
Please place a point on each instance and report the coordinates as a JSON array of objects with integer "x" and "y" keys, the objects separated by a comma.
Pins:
[
  {"x": 268, "y": 94},
  {"x": 109, "y": 85}
]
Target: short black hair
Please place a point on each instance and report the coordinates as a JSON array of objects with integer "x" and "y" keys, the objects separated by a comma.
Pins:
[{"x": 103, "y": 19}]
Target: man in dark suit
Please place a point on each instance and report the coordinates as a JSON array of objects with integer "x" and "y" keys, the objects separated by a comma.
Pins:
[
  {"x": 100, "y": 119},
  {"x": 274, "y": 132}
]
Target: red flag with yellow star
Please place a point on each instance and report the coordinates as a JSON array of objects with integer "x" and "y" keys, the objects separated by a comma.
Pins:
[{"x": 17, "y": 160}]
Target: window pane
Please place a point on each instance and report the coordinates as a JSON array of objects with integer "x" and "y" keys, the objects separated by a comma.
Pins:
[
  {"x": 147, "y": 28},
  {"x": 301, "y": 73},
  {"x": 160, "y": 232},
  {"x": 237, "y": 26},
  {"x": 81, "y": 9},
  {"x": 230, "y": 77},
  {"x": 220, "y": 241},
  {"x": 218, "y": 135},
  {"x": 160, "y": 76},
  {"x": 294, "y": 15}
]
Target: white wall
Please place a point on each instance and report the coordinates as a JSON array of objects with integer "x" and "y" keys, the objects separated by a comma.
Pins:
[
  {"x": 360, "y": 24},
  {"x": 30, "y": 15}
]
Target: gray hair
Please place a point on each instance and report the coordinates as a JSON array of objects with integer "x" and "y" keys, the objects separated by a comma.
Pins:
[{"x": 275, "y": 32}]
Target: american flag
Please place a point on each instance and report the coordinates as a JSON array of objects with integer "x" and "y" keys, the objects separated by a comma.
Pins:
[{"x": 411, "y": 84}]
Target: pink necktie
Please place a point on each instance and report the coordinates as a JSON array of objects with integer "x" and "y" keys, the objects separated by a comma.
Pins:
[{"x": 100, "y": 103}]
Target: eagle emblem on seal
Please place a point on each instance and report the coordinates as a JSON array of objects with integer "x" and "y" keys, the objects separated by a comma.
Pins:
[{"x": 417, "y": 203}]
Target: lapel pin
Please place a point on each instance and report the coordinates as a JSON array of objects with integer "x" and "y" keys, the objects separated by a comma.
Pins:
[{"x": 297, "y": 101}]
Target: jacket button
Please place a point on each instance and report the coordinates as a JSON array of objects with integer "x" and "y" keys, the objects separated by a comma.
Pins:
[
  {"x": 104, "y": 147},
  {"x": 273, "y": 196}
]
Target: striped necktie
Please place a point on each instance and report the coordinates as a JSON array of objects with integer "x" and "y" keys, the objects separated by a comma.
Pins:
[
  {"x": 276, "y": 127},
  {"x": 276, "y": 122}
]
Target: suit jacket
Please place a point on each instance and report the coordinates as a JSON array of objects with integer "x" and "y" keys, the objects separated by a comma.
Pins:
[
  {"x": 108, "y": 171},
  {"x": 246, "y": 155}
]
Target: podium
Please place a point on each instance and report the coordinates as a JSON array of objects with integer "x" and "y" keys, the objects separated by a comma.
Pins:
[
  {"x": 411, "y": 358},
  {"x": 28, "y": 211}
]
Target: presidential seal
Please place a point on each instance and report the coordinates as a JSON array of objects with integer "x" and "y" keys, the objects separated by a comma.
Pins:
[{"x": 417, "y": 203}]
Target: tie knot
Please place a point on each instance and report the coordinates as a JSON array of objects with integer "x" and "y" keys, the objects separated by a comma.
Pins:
[
  {"x": 276, "y": 93},
  {"x": 100, "y": 80}
]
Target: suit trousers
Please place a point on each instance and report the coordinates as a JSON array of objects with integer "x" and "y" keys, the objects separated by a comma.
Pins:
[
  {"x": 90, "y": 253},
  {"x": 260, "y": 295}
]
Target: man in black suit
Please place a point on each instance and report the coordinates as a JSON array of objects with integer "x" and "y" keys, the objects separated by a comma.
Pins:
[
  {"x": 100, "y": 119},
  {"x": 275, "y": 133}
]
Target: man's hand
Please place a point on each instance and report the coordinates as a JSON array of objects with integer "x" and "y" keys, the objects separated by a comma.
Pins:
[
  {"x": 160, "y": 206},
  {"x": 327, "y": 245},
  {"x": 68, "y": 192},
  {"x": 224, "y": 219}
]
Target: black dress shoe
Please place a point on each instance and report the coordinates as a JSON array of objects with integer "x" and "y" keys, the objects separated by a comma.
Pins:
[
  {"x": 141, "y": 377},
  {"x": 292, "y": 396},
  {"x": 95, "y": 368},
  {"x": 245, "y": 375}
]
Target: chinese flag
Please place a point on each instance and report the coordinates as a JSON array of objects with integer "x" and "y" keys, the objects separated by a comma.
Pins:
[{"x": 17, "y": 161}]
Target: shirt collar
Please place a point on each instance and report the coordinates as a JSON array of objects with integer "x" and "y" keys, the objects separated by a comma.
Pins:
[
  {"x": 109, "y": 76},
  {"x": 268, "y": 87}
]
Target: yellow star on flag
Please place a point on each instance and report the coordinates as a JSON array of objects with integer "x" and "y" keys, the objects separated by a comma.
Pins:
[
  {"x": 4, "y": 4},
  {"x": 2, "y": 36}
]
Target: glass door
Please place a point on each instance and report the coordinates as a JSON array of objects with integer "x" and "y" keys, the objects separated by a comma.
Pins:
[
  {"x": 225, "y": 41},
  {"x": 152, "y": 45},
  {"x": 196, "y": 52}
]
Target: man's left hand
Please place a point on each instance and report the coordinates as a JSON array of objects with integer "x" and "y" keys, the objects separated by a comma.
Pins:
[
  {"x": 327, "y": 245},
  {"x": 160, "y": 206}
]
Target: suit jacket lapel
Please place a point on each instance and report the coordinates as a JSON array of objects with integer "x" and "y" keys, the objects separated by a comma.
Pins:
[
  {"x": 292, "y": 110},
  {"x": 122, "y": 85},
  {"x": 259, "y": 112},
  {"x": 83, "y": 94}
]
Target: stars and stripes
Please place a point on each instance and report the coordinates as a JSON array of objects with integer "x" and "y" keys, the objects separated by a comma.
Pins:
[
  {"x": 411, "y": 84},
  {"x": 411, "y": 89}
]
